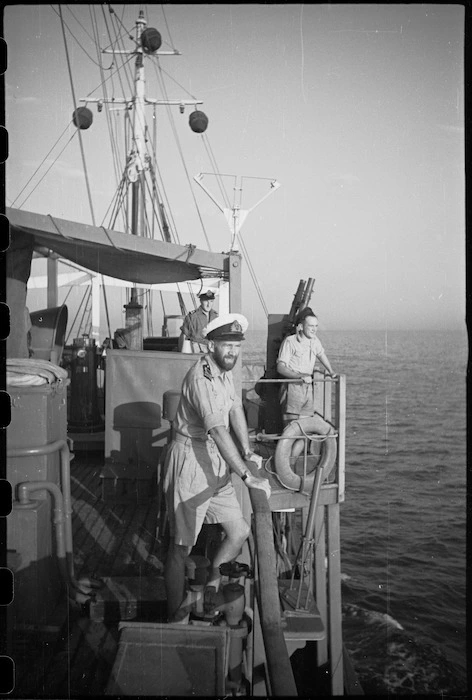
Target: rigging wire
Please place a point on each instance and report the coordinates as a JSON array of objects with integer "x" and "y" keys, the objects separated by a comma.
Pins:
[
  {"x": 67, "y": 295},
  {"x": 253, "y": 275},
  {"x": 39, "y": 166},
  {"x": 219, "y": 179},
  {"x": 218, "y": 176},
  {"x": 113, "y": 128},
  {"x": 111, "y": 12},
  {"x": 127, "y": 31},
  {"x": 86, "y": 291},
  {"x": 174, "y": 130},
  {"x": 114, "y": 148},
  {"x": 111, "y": 76},
  {"x": 176, "y": 82},
  {"x": 154, "y": 183},
  {"x": 78, "y": 129},
  {"x": 86, "y": 307},
  {"x": 168, "y": 29},
  {"x": 116, "y": 203},
  {"x": 119, "y": 43},
  {"x": 114, "y": 154},
  {"x": 75, "y": 38},
  {"x": 80, "y": 139}
]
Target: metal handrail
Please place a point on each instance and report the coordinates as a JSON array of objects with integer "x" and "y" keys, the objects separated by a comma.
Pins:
[{"x": 289, "y": 381}]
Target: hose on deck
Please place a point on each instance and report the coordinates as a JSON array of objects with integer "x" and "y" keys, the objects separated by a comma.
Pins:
[{"x": 281, "y": 679}]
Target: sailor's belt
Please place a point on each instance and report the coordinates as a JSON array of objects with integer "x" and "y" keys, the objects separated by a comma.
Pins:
[{"x": 184, "y": 439}]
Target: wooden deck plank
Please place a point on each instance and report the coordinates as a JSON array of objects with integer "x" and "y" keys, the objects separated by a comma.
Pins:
[
  {"x": 91, "y": 550},
  {"x": 104, "y": 539},
  {"x": 100, "y": 528},
  {"x": 108, "y": 539},
  {"x": 86, "y": 508},
  {"x": 125, "y": 550}
]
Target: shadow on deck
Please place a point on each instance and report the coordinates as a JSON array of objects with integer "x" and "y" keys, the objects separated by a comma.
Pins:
[
  {"x": 74, "y": 658},
  {"x": 72, "y": 655}
]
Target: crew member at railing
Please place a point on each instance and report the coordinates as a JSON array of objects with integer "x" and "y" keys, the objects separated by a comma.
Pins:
[
  {"x": 202, "y": 454},
  {"x": 296, "y": 360},
  {"x": 192, "y": 339}
]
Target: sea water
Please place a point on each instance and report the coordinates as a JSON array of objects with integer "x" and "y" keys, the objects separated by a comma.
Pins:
[{"x": 403, "y": 522}]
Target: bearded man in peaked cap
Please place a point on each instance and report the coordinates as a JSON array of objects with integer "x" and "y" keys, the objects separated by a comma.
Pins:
[{"x": 203, "y": 454}]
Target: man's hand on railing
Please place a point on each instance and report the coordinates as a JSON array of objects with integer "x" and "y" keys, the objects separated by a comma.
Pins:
[
  {"x": 252, "y": 457},
  {"x": 255, "y": 482}
]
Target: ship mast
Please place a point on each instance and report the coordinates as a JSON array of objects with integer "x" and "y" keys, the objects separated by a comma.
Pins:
[
  {"x": 136, "y": 175},
  {"x": 148, "y": 42}
]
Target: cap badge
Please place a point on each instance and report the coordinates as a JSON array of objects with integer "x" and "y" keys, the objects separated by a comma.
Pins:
[{"x": 236, "y": 327}]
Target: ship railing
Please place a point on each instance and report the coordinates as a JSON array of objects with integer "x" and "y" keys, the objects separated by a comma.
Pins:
[{"x": 326, "y": 530}]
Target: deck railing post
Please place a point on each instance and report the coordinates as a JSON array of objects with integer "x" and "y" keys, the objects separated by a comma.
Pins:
[
  {"x": 334, "y": 598},
  {"x": 341, "y": 430},
  {"x": 320, "y": 580}
]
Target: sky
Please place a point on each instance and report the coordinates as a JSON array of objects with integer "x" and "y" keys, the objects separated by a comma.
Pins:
[{"x": 356, "y": 110}]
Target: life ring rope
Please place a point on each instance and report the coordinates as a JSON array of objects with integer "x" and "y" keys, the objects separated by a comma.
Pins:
[
  {"x": 312, "y": 436},
  {"x": 269, "y": 471}
]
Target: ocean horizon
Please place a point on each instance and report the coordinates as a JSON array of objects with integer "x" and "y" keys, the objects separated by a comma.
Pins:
[{"x": 403, "y": 522}]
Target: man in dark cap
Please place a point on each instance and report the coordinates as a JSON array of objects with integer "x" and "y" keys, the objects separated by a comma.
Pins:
[
  {"x": 201, "y": 457},
  {"x": 195, "y": 322}
]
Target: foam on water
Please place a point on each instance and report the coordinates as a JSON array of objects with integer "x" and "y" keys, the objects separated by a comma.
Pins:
[{"x": 371, "y": 617}]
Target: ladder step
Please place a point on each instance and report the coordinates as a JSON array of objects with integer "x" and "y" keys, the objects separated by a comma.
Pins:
[{"x": 300, "y": 624}]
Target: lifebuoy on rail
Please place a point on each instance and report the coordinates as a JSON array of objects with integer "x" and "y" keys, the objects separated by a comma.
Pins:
[{"x": 309, "y": 425}]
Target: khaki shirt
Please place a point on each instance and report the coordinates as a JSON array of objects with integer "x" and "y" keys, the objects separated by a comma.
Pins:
[
  {"x": 300, "y": 354},
  {"x": 208, "y": 395},
  {"x": 195, "y": 322}
]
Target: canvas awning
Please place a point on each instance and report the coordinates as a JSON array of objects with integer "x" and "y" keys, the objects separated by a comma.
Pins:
[
  {"x": 118, "y": 255},
  {"x": 81, "y": 278}
]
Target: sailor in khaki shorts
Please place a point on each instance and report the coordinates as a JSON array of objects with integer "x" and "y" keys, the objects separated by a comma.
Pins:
[
  {"x": 201, "y": 456},
  {"x": 296, "y": 360}
]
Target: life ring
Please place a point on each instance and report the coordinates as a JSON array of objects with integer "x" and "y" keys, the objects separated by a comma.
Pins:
[{"x": 309, "y": 425}]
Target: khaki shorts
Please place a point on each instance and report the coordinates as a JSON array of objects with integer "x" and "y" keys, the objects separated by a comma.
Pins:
[
  {"x": 198, "y": 489},
  {"x": 297, "y": 399}
]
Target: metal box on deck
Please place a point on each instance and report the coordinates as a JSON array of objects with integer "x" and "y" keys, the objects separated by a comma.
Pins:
[
  {"x": 38, "y": 417},
  {"x": 156, "y": 659},
  {"x": 38, "y": 584}
]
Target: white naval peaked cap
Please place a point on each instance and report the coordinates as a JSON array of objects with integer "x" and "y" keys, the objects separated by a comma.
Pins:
[{"x": 228, "y": 326}]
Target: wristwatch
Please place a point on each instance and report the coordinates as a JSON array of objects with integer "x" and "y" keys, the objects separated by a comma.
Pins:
[{"x": 245, "y": 476}]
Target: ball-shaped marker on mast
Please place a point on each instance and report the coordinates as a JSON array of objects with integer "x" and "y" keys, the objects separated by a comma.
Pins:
[
  {"x": 198, "y": 121},
  {"x": 82, "y": 117},
  {"x": 151, "y": 40}
]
